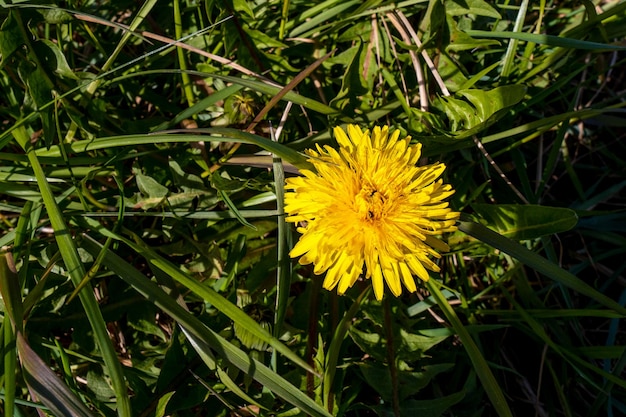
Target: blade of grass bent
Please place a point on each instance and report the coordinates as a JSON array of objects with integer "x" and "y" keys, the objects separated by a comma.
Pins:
[
  {"x": 188, "y": 135},
  {"x": 76, "y": 272},
  {"x": 206, "y": 293},
  {"x": 538, "y": 263},
  {"x": 549, "y": 40},
  {"x": 221, "y": 346},
  {"x": 492, "y": 388}
]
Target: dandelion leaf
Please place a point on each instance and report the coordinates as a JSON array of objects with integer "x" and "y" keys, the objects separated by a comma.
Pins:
[{"x": 523, "y": 222}]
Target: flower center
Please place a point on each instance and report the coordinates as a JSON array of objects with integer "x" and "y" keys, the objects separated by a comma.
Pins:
[{"x": 369, "y": 203}]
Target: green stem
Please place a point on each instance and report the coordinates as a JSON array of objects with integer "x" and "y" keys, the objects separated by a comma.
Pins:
[
  {"x": 178, "y": 31},
  {"x": 283, "y": 268},
  {"x": 391, "y": 358},
  {"x": 10, "y": 365},
  {"x": 332, "y": 356}
]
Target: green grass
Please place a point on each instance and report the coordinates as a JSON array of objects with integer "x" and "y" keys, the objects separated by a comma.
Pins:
[{"x": 144, "y": 269}]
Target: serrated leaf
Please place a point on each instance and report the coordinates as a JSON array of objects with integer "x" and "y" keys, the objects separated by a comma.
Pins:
[
  {"x": 522, "y": 222},
  {"x": 471, "y": 111},
  {"x": 352, "y": 85}
]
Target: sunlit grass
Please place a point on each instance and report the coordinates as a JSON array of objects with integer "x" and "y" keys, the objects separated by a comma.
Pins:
[{"x": 145, "y": 267}]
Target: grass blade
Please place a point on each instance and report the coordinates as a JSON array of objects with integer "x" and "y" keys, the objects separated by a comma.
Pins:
[
  {"x": 538, "y": 263},
  {"x": 480, "y": 364},
  {"x": 208, "y": 294},
  {"x": 76, "y": 272},
  {"x": 221, "y": 346}
]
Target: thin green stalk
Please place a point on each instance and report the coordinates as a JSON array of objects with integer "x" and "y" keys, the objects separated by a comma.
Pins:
[
  {"x": 332, "y": 356},
  {"x": 178, "y": 31},
  {"x": 10, "y": 366},
  {"x": 10, "y": 353},
  {"x": 507, "y": 62},
  {"x": 283, "y": 268},
  {"x": 489, "y": 382},
  {"x": 76, "y": 272},
  {"x": 283, "y": 20},
  {"x": 391, "y": 358}
]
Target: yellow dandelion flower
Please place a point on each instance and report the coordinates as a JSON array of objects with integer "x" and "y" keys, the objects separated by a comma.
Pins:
[{"x": 370, "y": 211}]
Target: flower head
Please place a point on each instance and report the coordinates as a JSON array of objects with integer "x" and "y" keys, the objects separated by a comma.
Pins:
[{"x": 368, "y": 210}]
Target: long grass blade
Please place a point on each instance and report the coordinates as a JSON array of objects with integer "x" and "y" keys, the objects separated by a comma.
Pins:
[
  {"x": 222, "y": 347},
  {"x": 222, "y": 304},
  {"x": 76, "y": 271},
  {"x": 538, "y": 263},
  {"x": 489, "y": 382}
]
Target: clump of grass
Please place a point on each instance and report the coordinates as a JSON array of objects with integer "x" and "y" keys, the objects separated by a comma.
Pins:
[{"x": 145, "y": 269}]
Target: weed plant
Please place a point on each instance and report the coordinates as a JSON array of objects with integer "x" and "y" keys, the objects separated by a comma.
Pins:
[{"x": 145, "y": 267}]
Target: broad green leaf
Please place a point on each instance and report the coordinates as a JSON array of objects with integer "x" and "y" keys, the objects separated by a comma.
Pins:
[
  {"x": 349, "y": 97},
  {"x": 55, "y": 15},
  {"x": 416, "y": 344},
  {"x": 243, "y": 7},
  {"x": 53, "y": 59},
  {"x": 522, "y": 222},
  {"x": 461, "y": 41},
  {"x": 39, "y": 94},
  {"x": 475, "y": 7},
  {"x": 10, "y": 38},
  {"x": 150, "y": 187},
  {"x": 488, "y": 103},
  {"x": 471, "y": 111},
  {"x": 370, "y": 343}
]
